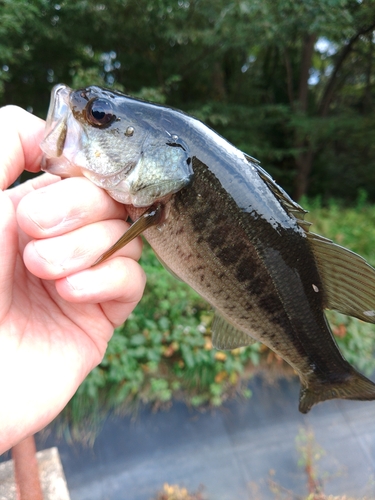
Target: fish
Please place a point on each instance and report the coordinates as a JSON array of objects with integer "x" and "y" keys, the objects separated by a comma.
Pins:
[{"x": 219, "y": 222}]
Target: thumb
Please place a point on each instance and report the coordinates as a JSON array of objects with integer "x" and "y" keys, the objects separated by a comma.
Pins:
[
  {"x": 20, "y": 134},
  {"x": 8, "y": 251}
]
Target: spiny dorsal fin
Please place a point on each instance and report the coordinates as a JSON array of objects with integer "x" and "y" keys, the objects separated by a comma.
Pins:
[
  {"x": 226, "y": 336},
  {"x": 290, "y": 206},
  {"x": 348, "y": 280}
]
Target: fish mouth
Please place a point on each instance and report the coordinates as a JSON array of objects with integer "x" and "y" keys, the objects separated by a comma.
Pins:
[{"x": 56, "y": 124}]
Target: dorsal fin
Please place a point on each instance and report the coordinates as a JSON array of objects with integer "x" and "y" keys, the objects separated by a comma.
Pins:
[{"x": 286, "y": 201}]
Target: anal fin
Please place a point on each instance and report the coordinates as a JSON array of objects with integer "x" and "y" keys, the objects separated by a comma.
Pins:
[{"x": 226, "y": 336}]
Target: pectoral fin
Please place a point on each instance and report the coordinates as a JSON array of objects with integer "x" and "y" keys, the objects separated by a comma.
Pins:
[
  {"x": 226, "y": 336},
  {"x": 150, "y": 218},
  {"x": 348, "y": 280}
]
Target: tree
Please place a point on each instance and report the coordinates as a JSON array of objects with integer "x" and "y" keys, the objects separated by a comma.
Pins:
[{"x": 289, "y": 81}]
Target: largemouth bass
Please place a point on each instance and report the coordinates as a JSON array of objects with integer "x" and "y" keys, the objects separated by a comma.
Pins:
[{"x": 220, "y": 223}]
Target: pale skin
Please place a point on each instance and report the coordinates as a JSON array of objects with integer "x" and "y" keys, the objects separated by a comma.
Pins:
[{"x": 57, "y": 313}]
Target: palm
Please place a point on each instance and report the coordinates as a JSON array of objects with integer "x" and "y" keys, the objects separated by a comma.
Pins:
[
  {"x": 37, "y": 307},
  {"x": 41, "y": 318},
  {"x": 57, "y": 313}
]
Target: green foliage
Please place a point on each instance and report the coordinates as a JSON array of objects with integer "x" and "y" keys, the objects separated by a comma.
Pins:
[
  {"x": 349, "y": 226},
  {"x": 240, "y": 64}
]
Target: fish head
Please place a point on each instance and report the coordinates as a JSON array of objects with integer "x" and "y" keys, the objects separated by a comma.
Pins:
[{"x": 116, "y": 142}]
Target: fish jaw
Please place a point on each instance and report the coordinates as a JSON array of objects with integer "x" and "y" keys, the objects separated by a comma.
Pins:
[
  {"x": 56, "y": 126},
  {"x": 53, "y": 143},
  {"x": 160, "y": 172},
  {"x": 62, "y": 138}
]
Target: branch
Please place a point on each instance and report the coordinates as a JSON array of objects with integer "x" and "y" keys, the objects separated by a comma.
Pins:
[{"x": 346, "y": 50}]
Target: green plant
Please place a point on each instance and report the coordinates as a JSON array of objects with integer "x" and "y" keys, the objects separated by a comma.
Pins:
[{"x": 310, "y": 453}]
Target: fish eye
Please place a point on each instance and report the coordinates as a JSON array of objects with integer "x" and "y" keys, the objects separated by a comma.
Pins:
[{"x": 99, "y": 112}]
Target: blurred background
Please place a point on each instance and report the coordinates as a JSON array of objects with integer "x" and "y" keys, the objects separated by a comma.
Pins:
[{"x": 290, "y": 82}]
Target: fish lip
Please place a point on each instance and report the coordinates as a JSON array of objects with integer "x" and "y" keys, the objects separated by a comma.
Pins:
[
  {"x": 59, "y": 105},
  {"x": 58, "y": 112}
]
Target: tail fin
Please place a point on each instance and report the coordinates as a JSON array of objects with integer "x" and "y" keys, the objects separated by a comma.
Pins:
[{"x": 355, "y": 386}]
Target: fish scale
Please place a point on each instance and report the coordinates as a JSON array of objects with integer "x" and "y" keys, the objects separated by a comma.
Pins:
[{"x": 220, "y": 223}]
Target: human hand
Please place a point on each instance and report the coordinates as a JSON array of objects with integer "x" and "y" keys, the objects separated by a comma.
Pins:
[{"x": 57, "y": 313}]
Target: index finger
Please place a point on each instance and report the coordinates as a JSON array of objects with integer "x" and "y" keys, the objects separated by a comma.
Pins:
[
  {"x": 20, "y": 136},
  {"x": 64, "y": 206}
]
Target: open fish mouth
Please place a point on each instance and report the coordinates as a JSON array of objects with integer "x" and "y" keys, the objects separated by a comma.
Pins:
[
  {"x": 56, "y": 129},
  {"x": 62, "y": 135}
]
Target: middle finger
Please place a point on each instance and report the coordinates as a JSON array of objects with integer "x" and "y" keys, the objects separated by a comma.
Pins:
[{"x": 60, "y": 256}]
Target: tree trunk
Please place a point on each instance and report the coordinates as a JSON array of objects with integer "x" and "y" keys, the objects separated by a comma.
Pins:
[
  {"x": 304, "y": 162},
  {"x": 305, "y": 158},
  {"x": 307, "y": 54},
  {"x": 219, "y": 92}
]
